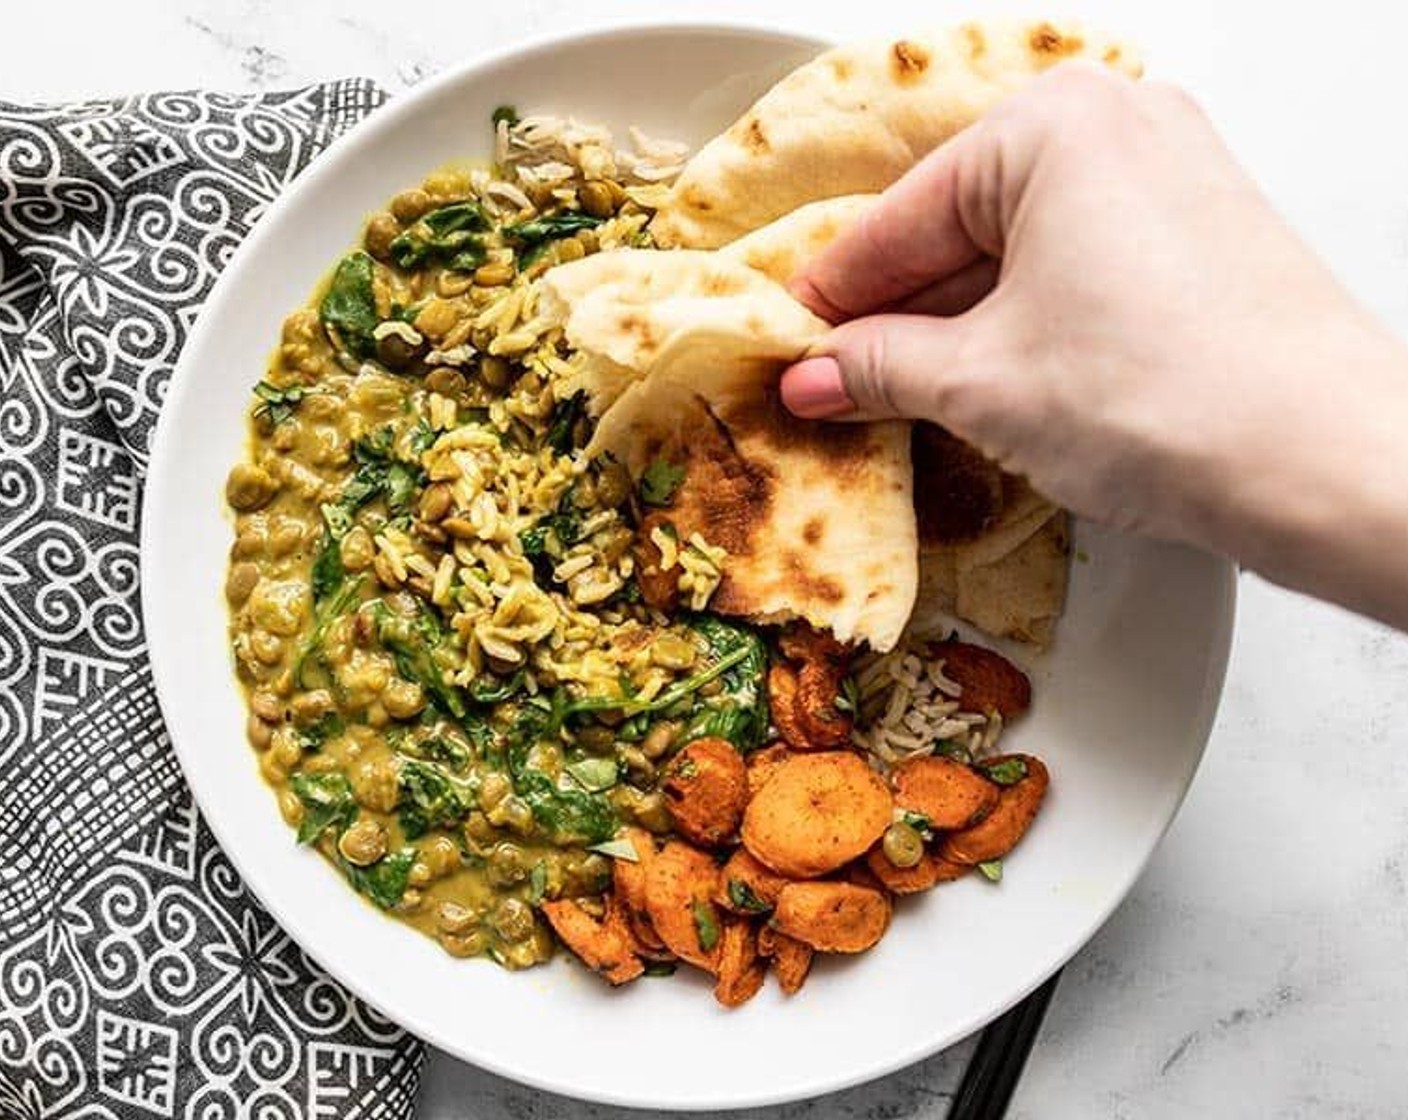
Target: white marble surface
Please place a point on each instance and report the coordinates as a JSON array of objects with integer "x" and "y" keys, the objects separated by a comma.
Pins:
[{"x": 1258, "y": 967}]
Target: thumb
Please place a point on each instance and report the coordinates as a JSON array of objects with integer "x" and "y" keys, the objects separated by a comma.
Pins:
[{"x": 881, "y": 366}]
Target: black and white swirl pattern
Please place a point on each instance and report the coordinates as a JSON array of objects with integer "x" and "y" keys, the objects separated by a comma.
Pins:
[{"x": 137, "y": 975}]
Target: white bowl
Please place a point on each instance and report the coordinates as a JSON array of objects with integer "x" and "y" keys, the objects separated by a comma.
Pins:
[{"x": 1123, "y": 703}]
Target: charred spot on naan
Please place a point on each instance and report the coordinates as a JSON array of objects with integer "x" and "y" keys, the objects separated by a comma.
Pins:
[
  {"x": 977, "y": 41},
  {"x": 908, "y": 61},
  {"x": 1047, "y": 42},
  {"x": 749, "y": 131},
  {"x": 723, "y": 497},
  {"x": 963, "y": 492}
]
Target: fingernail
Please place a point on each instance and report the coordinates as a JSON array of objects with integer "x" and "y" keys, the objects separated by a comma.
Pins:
[{"x": 813, "y": 389}]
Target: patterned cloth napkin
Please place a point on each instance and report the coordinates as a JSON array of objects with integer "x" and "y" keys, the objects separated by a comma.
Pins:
[{"x": 137, "y": 975}]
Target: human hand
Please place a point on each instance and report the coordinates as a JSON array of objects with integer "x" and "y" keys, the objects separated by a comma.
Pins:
[{"x": 1088, "y": 289}]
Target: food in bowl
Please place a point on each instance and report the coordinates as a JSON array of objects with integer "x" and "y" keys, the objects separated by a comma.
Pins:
[{"x": 528, "y": 651}]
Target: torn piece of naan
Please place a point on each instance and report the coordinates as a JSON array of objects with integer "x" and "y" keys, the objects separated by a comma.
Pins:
[
  {"x": 685, "y": 351},
  {"x": 858, "y": 117}
]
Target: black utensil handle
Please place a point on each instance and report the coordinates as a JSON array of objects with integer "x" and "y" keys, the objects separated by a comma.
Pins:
[{"x": 997, "y": 1064}]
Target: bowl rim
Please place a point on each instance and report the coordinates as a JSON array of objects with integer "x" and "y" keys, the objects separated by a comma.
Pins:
[{"x": 327, "y": 164}]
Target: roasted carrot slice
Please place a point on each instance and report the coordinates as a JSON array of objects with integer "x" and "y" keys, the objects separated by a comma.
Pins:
[
  {"x": 989, "y": 681},
  {"x": 818, "y": 688},
  {"x": 832, "y": 917},
  {"x": 680, "y": 886},
  {"x": 628, "y": 889},
  {"x": 603, "y": 946},
  {"x": 746, "y": 886},
  {"x": 763, "y": 763},
  {"x": 782, "y": 703},
  {"x": 902, "y": 880},
  {"x": 998, "y": 833},
  {"x": 817, "y": 812},
  {"x": 949, "y": 794},
  {"x": 706, "y": 788},
  {"x": 791, "y": 959},
  {"x": 741, "y": 971}
]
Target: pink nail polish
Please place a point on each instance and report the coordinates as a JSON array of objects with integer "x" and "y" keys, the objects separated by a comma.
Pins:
[{"x": 813, "y": 389}]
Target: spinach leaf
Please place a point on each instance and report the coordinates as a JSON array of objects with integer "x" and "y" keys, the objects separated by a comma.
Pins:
[
  {"x": 385, "y": 881},
  {"x": 491, "y": 690},
  {"x": 738, "y": 712},
  {"x": 379, "y": 474},
  {"x": 324, "y": 615},
  {"x": 327, "y": 803},
  {"x": 706, "y": 925},
  {"x": 569, "y": 815},
  {"x": 446, "y": 236},
  {"x": 539, "y": 231},
  {"x": 594, "y": 774},
  {"x": 431, "y": 797},
  {"x": 348, "y": 308},
  {"x": 745, "y": 898},
  {"x": 328, "y": 572},
  {"x": 992, "y": 870},
  {"x": 736, "y": 656},
  {"x": 849, "y": 700},
  {"x": 1005, "y": 771},
  {"x": 412, "y": 642},
  {"x": 659, "y": 482},
  {"x": 564, "y": 420},
  {"x": 505, "y": 113},
  {"x": 313, "y": 737},
  {"x": 280, "y": 404}
]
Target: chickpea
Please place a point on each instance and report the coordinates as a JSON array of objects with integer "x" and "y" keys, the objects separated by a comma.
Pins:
[
  {"x": 411, "y": 901},
  {"x": 494, "y": 274},
  {"x": 507, "y": 864},
  {"x": 596, "y": 199},
  {"x": 437, "y": 318},
  {"x": 271, "y": 768},
  {"x": 419, "y": 875},
  {"x": 285, "y": 535},
  {"x": 435, "y": 502},
  {"x": 249, "y": 487},
  {"x": 652, "y": 814},
  {"x": 267, "y": 706},
  {"x": 445, "y": 380},
  {"x": 290, "y": 808},
  {"x": 525, "y": 954},
  {"x": 640, "y": 769},
  {"x": 285, "y": 436},
  {"x": 512, "y": 920},
  {"x": 258, "y": 732},
  {"x": 468, "y": 944},
  {"x": 513, "y": 814},
  {"x": 441, "y": 855},
  {"x": 670, "y": 651},
  {"x": 493, "y": 788},
  {"x": 240, "y": 582},
  {"x": 402, "y": 699},
  {"x": 408, "y": 206},
  {"x": 374, "y": 784},
  {"x": 479, "y": 833},
  {"x": 357, "y": 549},
  {"x": 659, "y": 739},
  {"x": 250, "y": 538},
  {"x": 586, "y": 874},
  {"x": 381, "y": 231},
  {"x": 279, "y": 606},
  {"x": 494, "y": 371},
  {"x": 385, "y": 574},
  {"x": 569, "y": 249},
  {"x": 596, "y": 739},
  {"x": 902, "y": 845},
  {"x": 453, "y": 917},
  {"x": 286, "y": 748},
  {"x": 267, "y": 649},
  {"x": 363, "y": 843},
  {"x": 396, "y": 352},
  {"x": 309, "y": 707},
  {"x": 613, "y": 485}
]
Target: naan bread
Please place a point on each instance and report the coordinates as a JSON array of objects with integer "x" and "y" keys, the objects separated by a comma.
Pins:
[
  {"x": 857, "y": 118},
  {"x": 1009, "y": 581},
  {"x": 817, "y": 519},
  {"x": 779, "y": 249}
]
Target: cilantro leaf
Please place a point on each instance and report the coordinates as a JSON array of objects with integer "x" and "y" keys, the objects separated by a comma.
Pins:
[{"x": 659, "y": 483}]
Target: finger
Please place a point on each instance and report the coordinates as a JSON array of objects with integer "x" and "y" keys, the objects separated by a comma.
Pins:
[
  {"x": 879, "y": 366},
  {"x": 955, "y": 294},
  {"x": 912, "y": 237}
]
